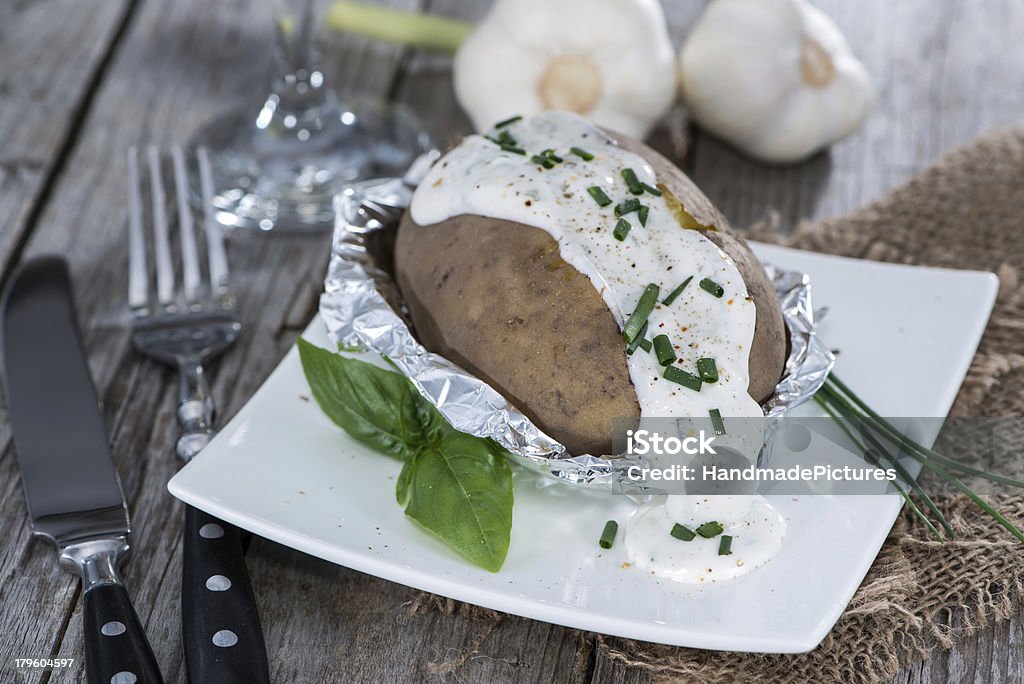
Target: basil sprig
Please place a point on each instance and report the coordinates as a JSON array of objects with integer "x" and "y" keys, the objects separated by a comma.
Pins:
[{"x": 457, "y": 486}]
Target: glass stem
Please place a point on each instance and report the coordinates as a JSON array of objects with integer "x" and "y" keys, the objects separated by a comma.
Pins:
[{"x": 298, "y": 87}]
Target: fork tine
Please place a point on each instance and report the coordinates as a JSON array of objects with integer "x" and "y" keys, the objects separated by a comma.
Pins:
[
  {"x": 214, "y": 235},
  {"x": 138, "y": 280},
  {"x": 189, "y": 256},
  {"x": 162, "y": 248}
]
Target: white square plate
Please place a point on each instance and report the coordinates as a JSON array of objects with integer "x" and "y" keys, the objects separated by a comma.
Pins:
[{"x": 284, "y": 471}]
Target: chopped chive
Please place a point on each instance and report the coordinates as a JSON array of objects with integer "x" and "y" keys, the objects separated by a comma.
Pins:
[
  {"x": 621, "y": 229},
  {"x": 681, "y": 377},
  {"x": 542, "y": 161},
  {"x": 637, "y": 341},
  {"x": 611, "y": 528},
  {"x": 707, "y": 370},
  {"x": 505, "y": 138},
  {"x": 513, "y": 149},
  {"x": 682, "y": 533},
  {"x": 717, "y": 422},
  {"x": 711, "y": 287},
  {"x": 645, "y": 344},
  {"x": 642, "y": 212},
  {"x": 663, "y": 350},
  {"x": 654, "y": 191},
  {"x": 725, "y": 545},
  {"x": 583, "y": 154},
  {"x": 676, "y": 292},
  {"x": 632, "y": 182},
  {"x": 508, "y": 122},
  {"x": 550, "y": 154},
  {"x": 643, "y": 309},
  {"x": 597, "y": 193},
  {"x": 710, "y": 529},
  {"x": 627, "y": 206}
]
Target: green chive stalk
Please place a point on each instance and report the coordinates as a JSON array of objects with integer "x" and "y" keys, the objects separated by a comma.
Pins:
[
  {"x": 840, "y": 402},
  {"x": 902, "y": 473}
]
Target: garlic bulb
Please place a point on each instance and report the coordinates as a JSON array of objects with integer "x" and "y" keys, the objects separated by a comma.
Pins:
[
  {"x": 609, "y": 60},
  {"x": 775, "y": 78}
]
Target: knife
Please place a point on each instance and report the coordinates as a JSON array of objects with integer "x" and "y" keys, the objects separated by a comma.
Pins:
[{"x": 72, "y": 490}]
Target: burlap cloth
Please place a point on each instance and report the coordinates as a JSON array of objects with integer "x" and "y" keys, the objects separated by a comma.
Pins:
[{"x": 967, "y": 212}]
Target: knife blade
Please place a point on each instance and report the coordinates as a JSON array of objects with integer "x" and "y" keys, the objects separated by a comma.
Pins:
[{"x": 71, "y": 486}]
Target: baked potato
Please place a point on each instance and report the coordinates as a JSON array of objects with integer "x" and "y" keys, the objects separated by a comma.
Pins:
[{"x": 496, "y": 297}]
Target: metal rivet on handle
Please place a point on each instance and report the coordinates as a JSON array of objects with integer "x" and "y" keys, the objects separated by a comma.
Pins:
[
  {"x": 225, "y": 638},
  {"x": 218, "y": 583},
  {"x": 211, "y": 531},
  {"x": 113, "y": 628},
  {"x": 124, "y": 678}
]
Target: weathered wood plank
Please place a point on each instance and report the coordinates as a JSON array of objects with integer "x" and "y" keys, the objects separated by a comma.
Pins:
[
  {"x": 169, "y": 74},
  {"x": 942, "y": 78},
  {"x": 47, "y": 75}
]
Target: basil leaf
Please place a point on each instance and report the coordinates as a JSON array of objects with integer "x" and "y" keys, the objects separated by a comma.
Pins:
[
  {"x": 455, "y": 485},
  {"x": 402, "y": 485},
  {"x": 379, "y": 408},
  {"x": 460, "y": 488}
]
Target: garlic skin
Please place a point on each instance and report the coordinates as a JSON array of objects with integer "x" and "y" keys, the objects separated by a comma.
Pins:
[
  {"x": 775, "y": 78},
  {"x": 608, "y": 60}
]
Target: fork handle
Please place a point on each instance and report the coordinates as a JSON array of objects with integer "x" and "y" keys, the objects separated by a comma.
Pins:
[
  {"x": 195, "y": 408},
  {"x": 220, "y": 625}
]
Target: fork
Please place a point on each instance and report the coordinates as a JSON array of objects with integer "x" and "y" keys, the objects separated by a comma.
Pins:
[{"x": 186, "y": 328}]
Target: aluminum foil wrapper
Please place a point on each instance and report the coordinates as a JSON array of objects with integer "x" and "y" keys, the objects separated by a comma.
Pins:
[{"x": 363, "y": 309}]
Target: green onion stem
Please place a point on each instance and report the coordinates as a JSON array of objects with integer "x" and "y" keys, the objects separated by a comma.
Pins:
[
  {"x": 621, "y": 229},
  {"x": 638, "y": 340},
  {"x": 707, "y": 369},
  {"x": 682, "y": 533},
  {"x": 627, "y": 206},
  {"x": 716, "y": 421},
  {"x": 414, "y": 29},
  {"x": 508, "y": 122},
  {"x": 581, "y": 153},
  {"x": 602, "y": 199},
  {"x": 643, "y": 309},
  {"x": 611, "y": 528},
  {"x": 711, "y": 287},
  {"x": 681, "y": 377},
  {"x": 710, "y": 529},
  {"x": 663, "y": 350},
  {"x": 676, "y": 292},
  {"x": 984, "y": 505},
  {"x": 916, "y": 450},
  {"x": 902, "y": 472},
  {"x": 847, "y": 403},
  {"x": 725, "y": 545},
  {"x": 894, "y": 460},
  {"x": 632, "y": 182}
]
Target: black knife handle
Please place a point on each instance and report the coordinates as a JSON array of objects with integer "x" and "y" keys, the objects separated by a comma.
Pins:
[
  {"x": 115, "y": 644},
  {"x": 220, "y": 626}
]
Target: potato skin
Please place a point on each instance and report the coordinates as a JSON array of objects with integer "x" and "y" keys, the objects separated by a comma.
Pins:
[{"x": 496, "y": 298}]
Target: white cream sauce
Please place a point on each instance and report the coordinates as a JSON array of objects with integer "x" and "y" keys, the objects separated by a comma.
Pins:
[
  {"x": 479, "y": 177},
  {"x": 755, "y": 526}
]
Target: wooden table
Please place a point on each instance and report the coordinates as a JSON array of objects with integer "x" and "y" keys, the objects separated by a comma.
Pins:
[{"x": 80, "y": 80}]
